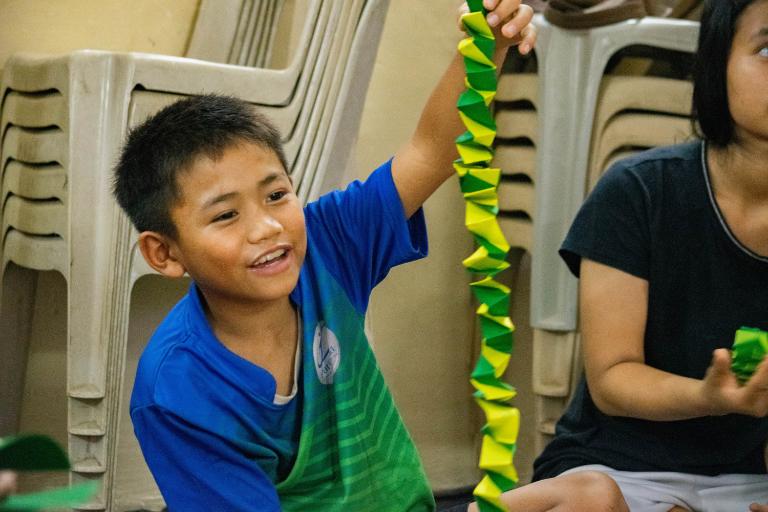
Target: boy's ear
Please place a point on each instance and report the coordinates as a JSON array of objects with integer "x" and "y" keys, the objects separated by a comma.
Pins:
[{"x": 158, "y": 251}]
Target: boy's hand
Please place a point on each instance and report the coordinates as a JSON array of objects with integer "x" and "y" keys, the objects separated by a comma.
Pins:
[
  {"x": 511, "y": 23},
  {"x": 723, "y": 393}
]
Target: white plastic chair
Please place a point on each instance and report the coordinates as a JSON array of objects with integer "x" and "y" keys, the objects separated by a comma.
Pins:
[
  {"x": 237, "y": 32},
  {"x": 636, "y": 130},
  {"x": 517, "y": 138},
  {"x": 518, "y": 87},
  {"x": 517, "y": 196},
  {"x": 644, "y": 93},
  {"x": 571, "y": 65},
  {"x": 516, "y": 160},
  {"x": 577, "y": 111}
]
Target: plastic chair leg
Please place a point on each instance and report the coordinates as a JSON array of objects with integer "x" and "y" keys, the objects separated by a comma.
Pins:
[{"x": 17, "y": 304}]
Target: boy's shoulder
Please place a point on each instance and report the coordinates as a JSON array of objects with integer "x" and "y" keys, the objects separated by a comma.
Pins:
[
  {"x": 170, "y": 350},
  {"x": 184, "y": 370}
]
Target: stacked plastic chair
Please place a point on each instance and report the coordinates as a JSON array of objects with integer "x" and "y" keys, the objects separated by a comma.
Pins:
[
  {"x": 239, "y": 32},
  {"x": 63, "y": 121},
  {"x": 635, "y": 113},
  {"x": 516, "y": 117},
  {"x": 573, "y": 96}
]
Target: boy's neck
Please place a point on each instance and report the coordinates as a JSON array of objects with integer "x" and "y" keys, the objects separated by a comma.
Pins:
[{"x": 254, "y": 331}]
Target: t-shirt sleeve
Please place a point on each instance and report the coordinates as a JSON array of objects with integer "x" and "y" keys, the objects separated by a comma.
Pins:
[
  {"x": 613, "y": 225},
  {"x": 362, "y": 232},
  {"x": 198, "y": 471}
]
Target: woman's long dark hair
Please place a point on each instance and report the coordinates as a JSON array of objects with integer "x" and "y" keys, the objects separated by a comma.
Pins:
[{"x": 710, "y": 73}]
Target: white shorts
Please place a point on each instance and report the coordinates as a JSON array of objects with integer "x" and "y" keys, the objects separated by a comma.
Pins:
[{"x": 660, "y": 491}]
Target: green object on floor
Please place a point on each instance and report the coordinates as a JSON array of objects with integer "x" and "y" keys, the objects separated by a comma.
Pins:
[
  {"x": 750, "y": 346},
  {"x": 55, "y": 498},
  {"x": 34, "y": 452}
]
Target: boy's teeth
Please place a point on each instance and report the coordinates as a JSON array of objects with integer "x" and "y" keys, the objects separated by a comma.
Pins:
[{"x": 271, "y": 256}]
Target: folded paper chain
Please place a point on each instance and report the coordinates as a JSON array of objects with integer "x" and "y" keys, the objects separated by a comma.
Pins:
[{"x": 479, "y": 183}]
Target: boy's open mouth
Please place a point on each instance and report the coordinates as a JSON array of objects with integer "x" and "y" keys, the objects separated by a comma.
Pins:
[{"x": 271, "y": 258}]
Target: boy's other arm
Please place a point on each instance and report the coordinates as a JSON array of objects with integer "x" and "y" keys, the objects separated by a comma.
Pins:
[
  {"x": 425, "y": 161},
  {"x": 198, "y": 471}
]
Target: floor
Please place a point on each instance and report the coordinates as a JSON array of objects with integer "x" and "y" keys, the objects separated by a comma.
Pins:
[{"x": 447, "y": 500}]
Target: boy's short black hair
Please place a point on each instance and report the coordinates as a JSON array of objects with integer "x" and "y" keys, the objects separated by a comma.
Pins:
[
  {"x": 155, "y": 152},
  {"x": 710, "y": 73}
]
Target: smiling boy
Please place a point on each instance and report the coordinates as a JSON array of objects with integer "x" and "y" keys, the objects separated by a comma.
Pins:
[{"x": 259, "y": 390}]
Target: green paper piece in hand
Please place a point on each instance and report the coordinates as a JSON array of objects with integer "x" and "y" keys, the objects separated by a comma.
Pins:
[
  {"x": 750, "y": 347},
  {"x": 56, "y": 498},
  {"x": 32, "y": 452}
]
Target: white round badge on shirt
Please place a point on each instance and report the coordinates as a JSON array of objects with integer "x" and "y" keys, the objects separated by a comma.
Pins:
[{"x": 327, "y": 353}]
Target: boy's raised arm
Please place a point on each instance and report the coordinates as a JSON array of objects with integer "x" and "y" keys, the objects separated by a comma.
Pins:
[{"x": 425, "y": 161}]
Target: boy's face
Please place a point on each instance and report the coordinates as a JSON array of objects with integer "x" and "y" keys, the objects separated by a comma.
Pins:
[{"x": 241, "y": 233}]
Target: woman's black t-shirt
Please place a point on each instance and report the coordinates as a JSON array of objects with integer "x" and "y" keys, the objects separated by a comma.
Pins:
[{"x": 654, "y": 216}]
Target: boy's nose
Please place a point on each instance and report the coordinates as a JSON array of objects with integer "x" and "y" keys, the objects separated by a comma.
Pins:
[{"x": 264, "y": 227}]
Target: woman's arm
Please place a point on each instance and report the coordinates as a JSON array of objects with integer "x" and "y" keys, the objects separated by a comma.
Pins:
[{"x": 614, "y": 309}]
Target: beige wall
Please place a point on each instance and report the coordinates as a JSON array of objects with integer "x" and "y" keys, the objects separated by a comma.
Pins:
[
  {"x": 421, "y": 316},
  {"x": 59, "y": 26}
]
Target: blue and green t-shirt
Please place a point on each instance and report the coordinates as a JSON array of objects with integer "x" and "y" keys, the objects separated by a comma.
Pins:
[{"x": 207, "y": 421}]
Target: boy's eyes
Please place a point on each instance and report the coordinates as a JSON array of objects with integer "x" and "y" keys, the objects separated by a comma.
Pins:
[
  {"x": 763, "y": 52},
  {"x": 231, "y": 214},
  {"x": 276, "y": 195},
  {"x": 225, "y": 216}
]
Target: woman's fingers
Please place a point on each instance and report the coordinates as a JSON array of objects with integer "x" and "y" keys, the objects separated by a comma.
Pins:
[{"x": 721, "y": 365}]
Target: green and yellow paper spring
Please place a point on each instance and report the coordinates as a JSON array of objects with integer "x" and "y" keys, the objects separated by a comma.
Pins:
[{"x": 479, "y": 184}]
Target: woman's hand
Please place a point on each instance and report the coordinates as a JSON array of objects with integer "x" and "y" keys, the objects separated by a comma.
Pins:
[
  {"x": 511, "y": 23},
  {"x": 725, "y": 395}
]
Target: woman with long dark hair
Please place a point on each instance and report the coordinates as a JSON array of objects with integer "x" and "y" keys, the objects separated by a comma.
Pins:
[{"x": 671, "y": 248}]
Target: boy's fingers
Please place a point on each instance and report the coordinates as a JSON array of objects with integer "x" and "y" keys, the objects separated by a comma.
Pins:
[
  {"x": 529, "y": 40},
  {"x": 490, "y": 4},
  {"x": 463, "y": 9},
  {"x": 519, "y": 21},
  {"x": 502, "y": 12}
]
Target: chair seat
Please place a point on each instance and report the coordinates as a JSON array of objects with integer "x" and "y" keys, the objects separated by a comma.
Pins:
[
  {"x": 516, "y": 196},
  {"x": 34, "y": 181},
  {"x": 40, "y": 110},
  {"x": 516, "y": 159},
  {"x": 35, "y": 252},
  {"x": 518, "y": 87},
  {"x": 515, "y": 124},
  {"x": 38, "y": 217}
]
